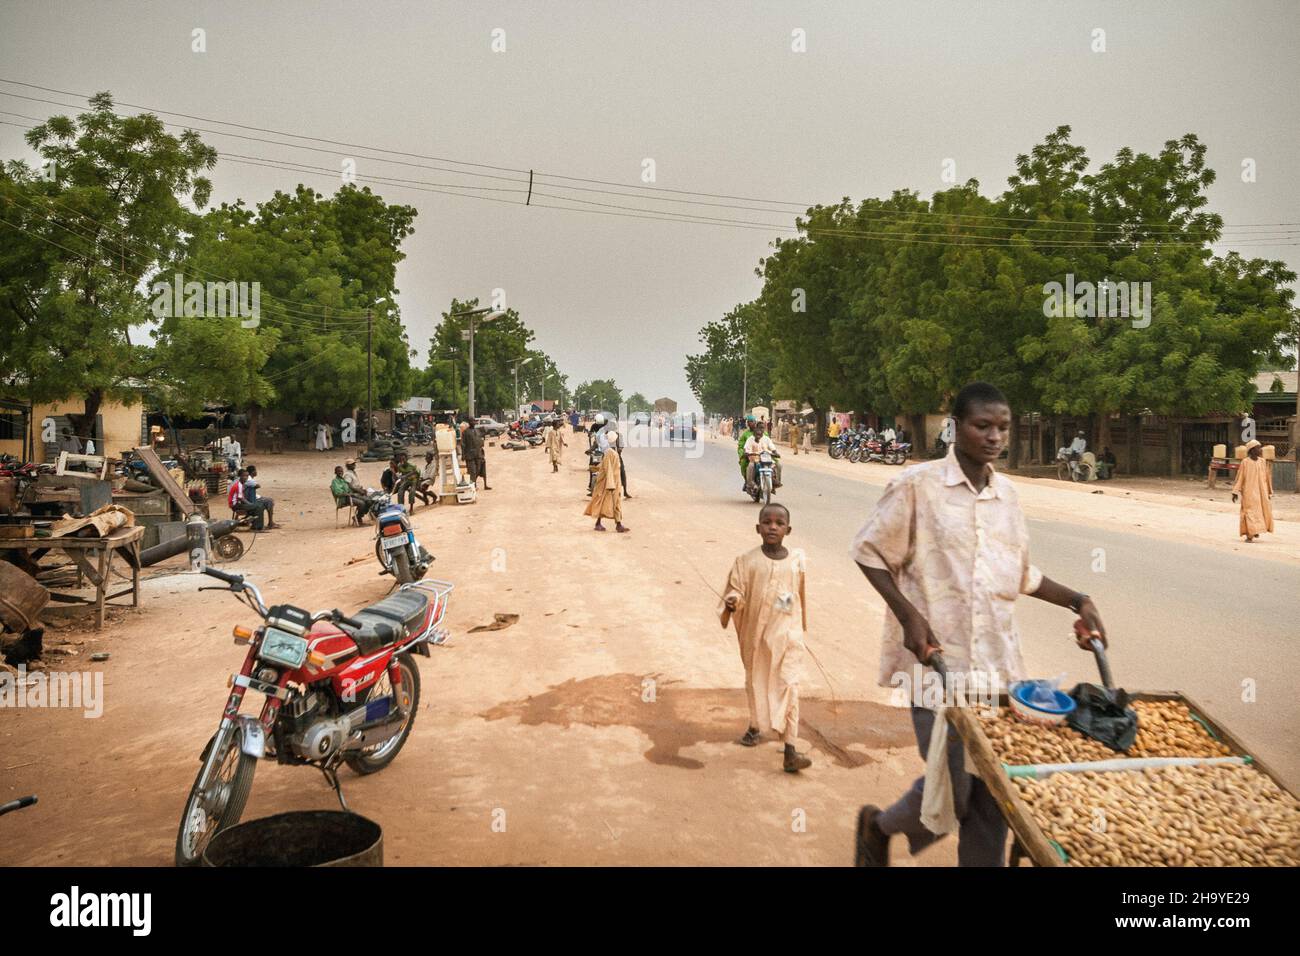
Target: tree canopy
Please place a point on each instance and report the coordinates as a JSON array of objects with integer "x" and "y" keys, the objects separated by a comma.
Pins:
[{"x": 891, "y": 305}]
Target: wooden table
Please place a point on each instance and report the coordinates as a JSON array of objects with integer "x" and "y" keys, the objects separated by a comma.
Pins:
[
  {"x": 94, "y": 560},
  {"x": 1230, "y": 465}
]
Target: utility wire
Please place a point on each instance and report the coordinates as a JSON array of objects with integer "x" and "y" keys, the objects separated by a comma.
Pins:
[
  {"x": 917, "y": 238},
  {"x": 649, "y": 190}
]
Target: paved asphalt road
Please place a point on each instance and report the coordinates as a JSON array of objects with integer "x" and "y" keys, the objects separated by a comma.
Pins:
[{"x": 1179, "y": 616}]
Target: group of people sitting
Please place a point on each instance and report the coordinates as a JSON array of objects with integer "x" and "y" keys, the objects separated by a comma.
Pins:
[
  {"x": 402, "y": 481},
  {"x": 245, "y": 500}
]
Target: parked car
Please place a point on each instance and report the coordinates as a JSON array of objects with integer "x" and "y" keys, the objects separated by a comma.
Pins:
[
  {"x": 681, "y": 428},
  {"x": 638, "y": 418},
  {"x": 490, "y": 425}
]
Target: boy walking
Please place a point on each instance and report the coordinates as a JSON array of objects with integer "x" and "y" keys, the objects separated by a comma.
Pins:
[{"x": 765, "y": 596}]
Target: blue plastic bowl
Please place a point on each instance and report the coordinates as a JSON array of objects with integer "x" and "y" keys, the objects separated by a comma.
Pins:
[{"x": 1022, "y": 708}]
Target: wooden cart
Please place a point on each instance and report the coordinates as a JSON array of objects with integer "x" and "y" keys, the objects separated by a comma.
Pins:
[{"x": 1028, "y": 838}]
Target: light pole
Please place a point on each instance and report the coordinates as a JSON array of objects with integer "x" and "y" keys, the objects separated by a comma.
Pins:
[
  {"x": 744, "y": 383},
  {"x": 488, "y": 315},
  {"x": 518, "y": 363}
]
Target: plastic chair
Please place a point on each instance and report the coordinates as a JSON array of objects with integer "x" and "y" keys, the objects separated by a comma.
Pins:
[{"x": 339, "y": 505}]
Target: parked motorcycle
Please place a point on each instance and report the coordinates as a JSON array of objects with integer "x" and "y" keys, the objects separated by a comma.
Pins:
[
  {"x": 338, "y": 690},
  {"x": 839, "y": 448},
  {"x": 896, "y": 453},
  {"x": 872, "y": 450},
  {"x": 395, "y": 546}
]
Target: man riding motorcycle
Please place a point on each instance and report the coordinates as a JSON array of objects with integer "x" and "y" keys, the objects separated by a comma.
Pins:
[
  {"x": 755, "y": 445},
  {"x": 745, "y": 435}
]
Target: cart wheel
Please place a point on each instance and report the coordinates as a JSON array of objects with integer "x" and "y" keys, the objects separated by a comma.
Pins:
[{"x": 229, "y": 548}]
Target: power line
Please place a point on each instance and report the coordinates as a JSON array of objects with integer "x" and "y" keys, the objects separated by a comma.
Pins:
[
  {"x": 918, "y": 238},
  {"x": 886, "y": 214}
]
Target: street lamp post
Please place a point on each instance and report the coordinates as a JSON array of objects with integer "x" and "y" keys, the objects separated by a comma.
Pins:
[
  {"x": 488, "y": 315},
  {"x": 744, "y": 383},
  {"x": 518, "y": 363}
]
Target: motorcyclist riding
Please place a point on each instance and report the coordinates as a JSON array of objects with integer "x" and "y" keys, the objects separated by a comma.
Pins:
[
  {"x": 755, "y": 445},
  {"x": 745, "y": 435}
]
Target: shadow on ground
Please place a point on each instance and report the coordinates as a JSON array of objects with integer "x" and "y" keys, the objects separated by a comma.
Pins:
[{"x": 680, "y": 717}]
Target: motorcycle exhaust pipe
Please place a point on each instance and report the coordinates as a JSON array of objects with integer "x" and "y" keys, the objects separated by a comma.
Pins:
[{"x": 375, "y": 732}]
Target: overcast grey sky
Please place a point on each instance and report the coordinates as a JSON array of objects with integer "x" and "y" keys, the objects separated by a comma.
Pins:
[{"x": 712, "y": 92}]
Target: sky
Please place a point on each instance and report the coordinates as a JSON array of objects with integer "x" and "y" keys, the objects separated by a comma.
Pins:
[{"x": 880, "y": 97}]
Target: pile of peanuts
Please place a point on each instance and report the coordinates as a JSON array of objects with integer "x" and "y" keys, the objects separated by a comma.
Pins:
[
  {"x": 1222, "y": 815},
  {"x": 1166, "y": 728}
]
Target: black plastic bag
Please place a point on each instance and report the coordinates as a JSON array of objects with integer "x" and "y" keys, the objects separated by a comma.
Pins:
[{"x": 1104, "y": 715}]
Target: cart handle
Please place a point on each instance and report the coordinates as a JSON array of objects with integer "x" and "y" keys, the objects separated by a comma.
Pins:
[{"x": 1103, "y": 664}]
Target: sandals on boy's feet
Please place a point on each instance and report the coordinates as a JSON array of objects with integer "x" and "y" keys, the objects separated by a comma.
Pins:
[
  {"x": 751, "y": 738},
  {"x": 794, "y": 762}
]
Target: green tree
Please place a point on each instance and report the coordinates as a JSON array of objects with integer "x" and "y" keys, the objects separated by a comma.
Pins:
[
  {"x": 321, "y": 263},
  {"x": 717, "y": 376},
  {"x": 498, "y": 345},
  {"x": 600, "y": 394},
  {"x": 81, "y": 240}
]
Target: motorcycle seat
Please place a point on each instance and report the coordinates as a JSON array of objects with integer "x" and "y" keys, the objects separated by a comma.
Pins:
[
  {"x": 374, "y": 633},
  {"x": 405, "y": 607}
]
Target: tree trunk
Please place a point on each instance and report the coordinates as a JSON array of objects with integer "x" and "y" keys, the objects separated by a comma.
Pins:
[
  {"x": 254, "y": 414},
  {"x": 1174, "y": 437},
  {"x": 84, "y": 424},
  {"x": 1013, "y": 445},
  {"x": 919, "y": 443},
  {"x": 1103, "y": 433},
  {"x": 1134, "y": 444}
]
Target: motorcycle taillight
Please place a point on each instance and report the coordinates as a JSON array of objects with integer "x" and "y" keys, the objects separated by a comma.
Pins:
[{"x": 393, "y": 529}]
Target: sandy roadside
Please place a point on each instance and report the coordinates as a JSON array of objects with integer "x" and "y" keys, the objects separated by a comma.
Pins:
[
  {"x": 1183, "y": 512},
  {"x": 599, "y": 729}
]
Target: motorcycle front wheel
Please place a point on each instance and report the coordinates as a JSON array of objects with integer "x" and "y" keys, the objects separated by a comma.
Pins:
[
  {"x": 855, "y": 455},
  {"x": 767, "y": 490},
  {"x": 836, "y": 452},
  {"x": 376, "y": 758},
  {"x": 220, "y": 805}
]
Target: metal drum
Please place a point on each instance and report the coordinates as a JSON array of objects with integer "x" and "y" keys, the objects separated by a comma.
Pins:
[
  {"x": 21, "y": 598},
  {"x": 299, "y": 838}
]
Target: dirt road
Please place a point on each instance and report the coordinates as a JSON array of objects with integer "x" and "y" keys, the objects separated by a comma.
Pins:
[{"x": 598, "y": 729}]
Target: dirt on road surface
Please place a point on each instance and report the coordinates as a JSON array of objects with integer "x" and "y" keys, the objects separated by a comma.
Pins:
[{"x": 598, "y": 729}]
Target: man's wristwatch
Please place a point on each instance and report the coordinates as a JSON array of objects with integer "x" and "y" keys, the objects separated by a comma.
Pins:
[{"x": 1076, "y": 602}]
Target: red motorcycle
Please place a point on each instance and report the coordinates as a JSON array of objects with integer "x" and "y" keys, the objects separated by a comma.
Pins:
[{"x": 338, "y": 690}]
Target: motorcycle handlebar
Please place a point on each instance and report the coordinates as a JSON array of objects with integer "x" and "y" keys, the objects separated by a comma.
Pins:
[{"x": 223, "y": 576}]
